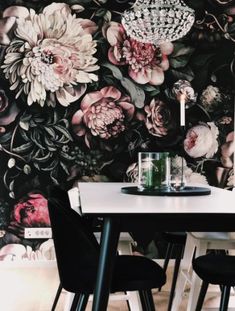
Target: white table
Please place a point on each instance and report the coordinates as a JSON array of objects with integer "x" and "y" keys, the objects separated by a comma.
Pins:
[{"x": 215, "y": 212}]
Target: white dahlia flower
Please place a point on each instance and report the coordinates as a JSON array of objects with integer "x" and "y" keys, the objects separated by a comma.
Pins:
[{"x": 51, "y": 55}]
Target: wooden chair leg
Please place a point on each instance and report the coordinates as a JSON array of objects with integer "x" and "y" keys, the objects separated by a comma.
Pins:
[
  {"x": 146, "y": 299},
  {"x": 224, "y": 298},
  {"x": 83, "y": 299},
  {"x": 202, "y": 295},
  {"x": 175, "y": 275},
  {"x": 56, "y": 297},
  {"x": 75, "y": 302}
]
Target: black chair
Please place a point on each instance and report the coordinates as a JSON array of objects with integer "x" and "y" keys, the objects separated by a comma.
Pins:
[
  {"x": 175, "y": 245},
  {"x": 218, "y": 269},
  {"x": 77, "y": 254}
]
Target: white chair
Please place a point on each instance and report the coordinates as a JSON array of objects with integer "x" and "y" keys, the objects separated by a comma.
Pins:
[{"x": 198, "y": 242}]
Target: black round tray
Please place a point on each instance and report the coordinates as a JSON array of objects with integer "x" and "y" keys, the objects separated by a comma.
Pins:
[{"x": 187, "y": 191}]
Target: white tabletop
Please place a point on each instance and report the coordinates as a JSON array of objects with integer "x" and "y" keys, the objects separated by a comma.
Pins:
[{"x": 106, "y": 198}]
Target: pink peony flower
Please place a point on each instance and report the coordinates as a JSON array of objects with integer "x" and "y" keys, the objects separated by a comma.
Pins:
[
  {"x": 201, "y": 140},
  {"x": 103, "y": 113},
  {"x": 32, "y": 212},
  {"x": 227, "y": 151},
  {"x": 146, "y": 62},
  {"x": 51, "y": 54},
  {"x": 158, "y": 119}
]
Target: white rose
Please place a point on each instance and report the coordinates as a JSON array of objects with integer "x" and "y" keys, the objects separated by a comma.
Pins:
[{"x": 201, "y": 140}]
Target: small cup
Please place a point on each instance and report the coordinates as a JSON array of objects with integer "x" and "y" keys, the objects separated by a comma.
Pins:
[
  {"x": 154, "y": 170},
  {"x": 177, "y": 177}
]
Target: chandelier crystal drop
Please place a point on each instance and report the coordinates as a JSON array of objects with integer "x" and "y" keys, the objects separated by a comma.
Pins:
[{"x": 157, "y": 21}]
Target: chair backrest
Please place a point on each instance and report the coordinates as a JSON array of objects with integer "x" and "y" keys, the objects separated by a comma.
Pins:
[{"x": 76, "y": 247}]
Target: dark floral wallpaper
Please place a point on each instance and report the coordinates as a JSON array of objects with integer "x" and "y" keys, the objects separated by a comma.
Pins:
[{"x": 79, "y": 99}]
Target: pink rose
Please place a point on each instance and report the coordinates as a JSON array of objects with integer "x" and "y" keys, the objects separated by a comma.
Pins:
[
  {"x": 146, "y": 62},
  {"x": 32, "y": 212},
  {"x": 103, "y": 113},
  {"x": 201, "y": 140},
  {"x": 158, "y": 118},
  {"x": 8, "y": 111}
]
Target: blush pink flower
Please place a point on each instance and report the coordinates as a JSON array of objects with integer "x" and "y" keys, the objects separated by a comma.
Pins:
[
  {"x": 146, "y": 62},
  {"x": 201, "y": 140},
  {"x": 32, "y": 212},
  {"x": 51, "y": 54},
  {"x": 103, "y": 114},
  {"x": 227, "y": 151},
  {"x": 158, "y": 118}
]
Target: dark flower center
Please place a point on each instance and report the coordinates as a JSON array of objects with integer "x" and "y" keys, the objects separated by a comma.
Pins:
[{"x": 47, "y": 57}]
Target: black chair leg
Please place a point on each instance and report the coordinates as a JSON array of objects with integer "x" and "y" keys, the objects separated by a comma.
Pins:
[
  {"x": 167, "y": 258},
  {"x": 202, "y": 295},
  {"x": 75, "y": 302},
  {"x": 83, "y": 299},
  {"x": 175, "y": 275},
  {"x": 146, "y": 299},
  {"x": 224, "y": 298},
  {"x": 56, "y": 297},
  {"x": 168, "y": 255}
]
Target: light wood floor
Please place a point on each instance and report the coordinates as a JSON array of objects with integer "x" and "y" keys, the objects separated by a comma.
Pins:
[{"x": 33, "y": 289}]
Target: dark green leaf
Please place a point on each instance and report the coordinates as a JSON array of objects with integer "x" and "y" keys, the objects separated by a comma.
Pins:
[
  {"x": 6, "y": 137},
  {"x": 64, "y": 131},
  {"x": 136, "y": 93},
  {"x": 43, "y": 158},
  {"x": 23, "y": 148},
  {"x": 34, "y": 139},
  {"x": 24, "y": 135},
  {"x": 64, "y": 167},
  {"x": 11, "y": 185},
  {"x": 179, "y": 62},
  {"x": 116, "y": 72},
  {"x": 66, "y": 156},
  {"x": 231, "y": 28},
  {"x": 51, "y": 166},
  {"x": 182, "y": 50},
  {"x": 101, "y": 12},
  {"x": 53, "y": 176},
  {"x": 184, "y": 74},
  {"x": 201, "y": 60}
]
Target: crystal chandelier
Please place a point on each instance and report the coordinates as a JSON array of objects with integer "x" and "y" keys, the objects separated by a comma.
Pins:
[{"x": 157, "y": 21}]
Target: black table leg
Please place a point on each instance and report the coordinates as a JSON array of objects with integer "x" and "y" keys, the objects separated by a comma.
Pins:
[{"x": 109, "y": 243}]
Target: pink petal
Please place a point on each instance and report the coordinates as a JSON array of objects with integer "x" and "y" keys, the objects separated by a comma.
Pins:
[
  {"x": 141, "y": 77},
  {"x": 16, "y": 11},
  {"x": 230, "y": 137},
  {"x": 90, "y": 99},
  {"x": 128, "y": 108},
  {"x": 52, "y": 8},
  {"x": 164, "y": 64},
  {"x": 110, "y": 91},
  {"x": 157, "y": 76},
  {"x": 88, "y": 26},
  {"x": 167, "y": 48},
  {"x": 68, "y": 95},
  {"x": 114, "y": 33},
  {"x": 77, "y": 118}
]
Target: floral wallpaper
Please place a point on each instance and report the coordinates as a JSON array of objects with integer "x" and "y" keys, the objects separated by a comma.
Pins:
[{"x": 79, "y": 99}]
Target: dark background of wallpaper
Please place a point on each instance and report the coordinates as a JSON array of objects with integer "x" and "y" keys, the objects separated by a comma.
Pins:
[{"x": 51, "y": 143}]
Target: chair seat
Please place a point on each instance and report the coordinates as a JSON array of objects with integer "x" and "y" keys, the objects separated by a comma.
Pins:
[
  {"x": 130, "y": 272},
  {"x": 216, "y": 269}
]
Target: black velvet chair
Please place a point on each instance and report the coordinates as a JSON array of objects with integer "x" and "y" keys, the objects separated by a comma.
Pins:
[
  {"x": 216, "y": 269},
  {"x": 77, "y": 253}
]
